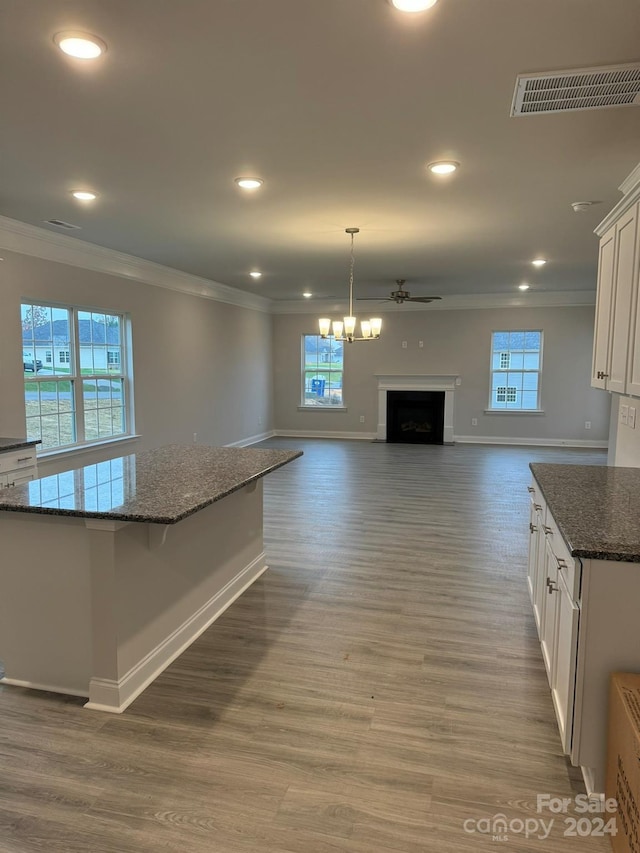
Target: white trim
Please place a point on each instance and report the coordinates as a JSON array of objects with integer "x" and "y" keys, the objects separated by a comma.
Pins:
[
  {"x": 456, "y": 302},
  {"x": 49, "y": 688},
  {"x": 323, "y": 409},
  {"x": 319, "y": 433},
  {"x": 631, "y": 189},
  {"x": 37, "y": 242},
  {"x": 90, "y": 447},
  {"x": 253, "y": 439},
  {"x": 115, "y": 696},
  {"x": 532, "y": 442},
  {"x": 588, "y": 775},
  {"x": 514, "y": 411},
  {"x": 416, "y": 382}
]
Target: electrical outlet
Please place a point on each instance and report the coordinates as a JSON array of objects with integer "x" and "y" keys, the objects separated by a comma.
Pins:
[
  {"x": 474, "y": 422},
  {"x": 587, "y": 424},
  {"x": 195, "y": 437},
  {"x": 361, "y": 419},
  {"x": 624, "y": 414},
  {"x": 259, "y": 420},
  {"x": 421, "y": 344},
  {"x": 632, "y": 417},
  {"x": 404, "y": 344}
]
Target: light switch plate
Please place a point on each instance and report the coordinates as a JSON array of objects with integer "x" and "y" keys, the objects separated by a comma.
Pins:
[{"x": 624, "y": 414}]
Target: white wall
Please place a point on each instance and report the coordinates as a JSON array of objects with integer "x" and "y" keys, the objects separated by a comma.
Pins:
[
  {"x": 454, "y": 342},
  {"x": 200, "y": 365}
]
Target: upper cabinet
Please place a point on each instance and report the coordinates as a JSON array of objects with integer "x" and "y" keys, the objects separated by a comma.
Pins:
[{"x": 616, "y": 342}]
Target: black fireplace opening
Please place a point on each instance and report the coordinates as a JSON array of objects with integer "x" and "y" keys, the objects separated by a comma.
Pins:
[{"x": 415, "y": 417}]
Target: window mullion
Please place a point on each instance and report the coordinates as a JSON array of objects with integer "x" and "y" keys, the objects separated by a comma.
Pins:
[{"x": 78, "y": 397}]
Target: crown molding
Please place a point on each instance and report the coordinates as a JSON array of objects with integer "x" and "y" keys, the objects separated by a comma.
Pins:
[
  {"x": 37, "y": 242},
  {"x": 459, "y": 302},
  {"x": 630, "y": 188}
]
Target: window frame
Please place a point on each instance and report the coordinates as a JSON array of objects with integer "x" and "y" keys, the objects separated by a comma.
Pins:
[
  {"x": 76, "y": 377},
  {"x": 304, "y": 406},
  {"x": 500, "y": 371}
]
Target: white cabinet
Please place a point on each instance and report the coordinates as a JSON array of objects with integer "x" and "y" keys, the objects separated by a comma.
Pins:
[
  {"x": 587, "y": 616},
  {"x": 17, "y": 466},
  {"x": 617, "y": 292}
]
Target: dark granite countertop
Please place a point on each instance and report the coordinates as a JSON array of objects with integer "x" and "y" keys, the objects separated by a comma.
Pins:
[
  {"x": 160, "y": 486},
  {"x": 596, "y": 508},
  {"x": 17, "y": 443}
]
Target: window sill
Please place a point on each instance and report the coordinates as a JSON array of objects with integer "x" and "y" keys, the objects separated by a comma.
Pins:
[
  {"x": 77, "y": 449},
  {"x": 322, "y": 408},
  {"x": 514, "y": 411}
]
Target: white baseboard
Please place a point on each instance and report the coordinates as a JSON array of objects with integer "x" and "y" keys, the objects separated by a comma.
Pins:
[
  {"x": 253, "y": 439},
  {"x": 319, "y": 433},
  {"x": 533, "y": 442},
  {"x": 116, "y": 696},
  {"x": 49, "y": 688}
]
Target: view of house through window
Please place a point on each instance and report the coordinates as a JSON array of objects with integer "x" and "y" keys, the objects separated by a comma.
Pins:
[
  {"x": 322, "y": 367},
  {"x": 516, "y": 362},
  {"x": 74, "y": 385}
]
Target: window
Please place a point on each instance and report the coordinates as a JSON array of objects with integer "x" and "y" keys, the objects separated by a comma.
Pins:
[
  {"x": 82, "y": 394},
  {"x": 322, "y": 370},
  {"x": 516, "y": 362}
]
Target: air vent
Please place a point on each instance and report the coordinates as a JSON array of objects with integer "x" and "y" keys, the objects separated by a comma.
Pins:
[
  {"x": 582, "y": 89},
  {"x": 60, "y": 224}
]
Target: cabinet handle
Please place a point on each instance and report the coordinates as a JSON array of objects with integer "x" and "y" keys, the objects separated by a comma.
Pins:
[
  {"x": 537, "y": 507},
  {"x": 548, "y": 530},
  {"x": 530, "y": 489},
  {"x": 551, "y": 586},
  {"x": 602, "y": 375},
  {"x": 532, "y": 527},
  {"x": 562, "y": 564},
  {"x": 24, "y": 458}
]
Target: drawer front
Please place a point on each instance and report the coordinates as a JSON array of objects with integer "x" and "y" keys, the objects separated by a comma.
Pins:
[
  {"x": 15, "y": 460},
  {"x": 568, "y": 566}
]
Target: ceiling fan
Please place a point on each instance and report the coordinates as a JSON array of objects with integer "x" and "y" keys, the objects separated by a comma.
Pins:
[{"x": 400, "y": 295}]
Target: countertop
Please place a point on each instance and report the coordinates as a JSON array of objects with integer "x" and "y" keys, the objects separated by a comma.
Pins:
[
  {"x": 596, "y": 508},
  {"x": 160, "y": 486},
  {"x": 17, "y": 443}
]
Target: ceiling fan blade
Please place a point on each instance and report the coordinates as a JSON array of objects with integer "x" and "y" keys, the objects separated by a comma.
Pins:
[
  {"x": 373, "y": 299},
  {"x": 422, "y": 298}
]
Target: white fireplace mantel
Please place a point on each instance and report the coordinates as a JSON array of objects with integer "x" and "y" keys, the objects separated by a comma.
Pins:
[{"x": 416, "y": 382}]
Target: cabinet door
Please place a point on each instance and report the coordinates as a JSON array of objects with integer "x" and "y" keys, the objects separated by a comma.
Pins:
[
  {"x": 565, "y": 657},
  {"x": 532, "y": 565},
  {"x": 549, "y": 612},
  {"x": 606, "y": 268},
  {"x": 625, "y": 270},
  {"x": 633, "y": 369}
]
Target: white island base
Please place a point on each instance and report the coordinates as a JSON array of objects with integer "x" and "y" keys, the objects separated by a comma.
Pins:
[{"x": 99, "y": 608}]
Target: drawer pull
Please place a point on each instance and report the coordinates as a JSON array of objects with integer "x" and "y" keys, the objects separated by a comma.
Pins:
[
  {"x": 562, "y": 564},
  {"x": 532, "y": 527},
  {"x": 548, "y": 530},
  {"x": 551, "y": 586},
  {"x": 24, "y": 458},
  {"x": 537, "y": 507},
  {"x": 530, "y": 489}
]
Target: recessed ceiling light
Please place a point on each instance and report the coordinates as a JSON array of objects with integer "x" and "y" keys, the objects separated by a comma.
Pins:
[
  {"x": 539, "y": 262},
  {"x": 80, "y": 45},
  {"x": 413, "y": 5},
  {"x": 249, "y": 183},
  {"x": 255, "y": 274},
  {"x": 443, "y": 167},
  {"x": 524, "y": 286},
  {"x": 307, "y": 295},
  {"x": 84, "y": 195}
]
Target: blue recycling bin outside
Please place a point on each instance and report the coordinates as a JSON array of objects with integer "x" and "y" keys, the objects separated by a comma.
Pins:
[{"x": 317, "y": 387}]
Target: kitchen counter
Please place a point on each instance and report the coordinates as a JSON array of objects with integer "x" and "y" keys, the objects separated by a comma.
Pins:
[
  {"x": 596, "y": 508},
  {"x": 162, "y": 486},
  {"x": 110, "y": 571},
  {"x": 17, "y": 443}
]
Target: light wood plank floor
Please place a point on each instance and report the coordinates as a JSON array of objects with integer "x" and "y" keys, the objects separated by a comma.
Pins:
[{"x": 379, "y": 686}]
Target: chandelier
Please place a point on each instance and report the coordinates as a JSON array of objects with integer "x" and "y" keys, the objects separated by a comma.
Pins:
[{"x": 344, "y": 330}]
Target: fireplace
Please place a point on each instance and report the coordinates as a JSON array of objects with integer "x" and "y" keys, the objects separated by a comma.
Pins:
[
  {"x": 390, "y": 382},
  {"x": 415, "y": 417}
]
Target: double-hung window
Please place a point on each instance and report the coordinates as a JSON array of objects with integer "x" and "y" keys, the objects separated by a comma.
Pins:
[
  {"x": 322, "y": 371},
  {"x": 76, "y": 384},
  {"x": 516, "y": 365}
]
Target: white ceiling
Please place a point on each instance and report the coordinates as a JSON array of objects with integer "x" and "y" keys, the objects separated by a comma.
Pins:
[{"x": 338, "y": 105}]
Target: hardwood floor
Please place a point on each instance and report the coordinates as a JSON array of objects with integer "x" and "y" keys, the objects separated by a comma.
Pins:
[{"x": 378, "y": 687}]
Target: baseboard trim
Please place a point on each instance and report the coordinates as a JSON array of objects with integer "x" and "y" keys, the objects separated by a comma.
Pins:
[
  {"x": 116, "y": 696},
  {"x": 320, "y": 433},
  {"x": 253, "y": 439},
  {"x": 531, "y": 442},
  {"x": 48, "y": 688}
]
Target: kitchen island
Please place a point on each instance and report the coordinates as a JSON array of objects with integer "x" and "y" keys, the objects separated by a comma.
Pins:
[
  {"x": 584, "y": 583},
  {"x": 109, "y": 571}
]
